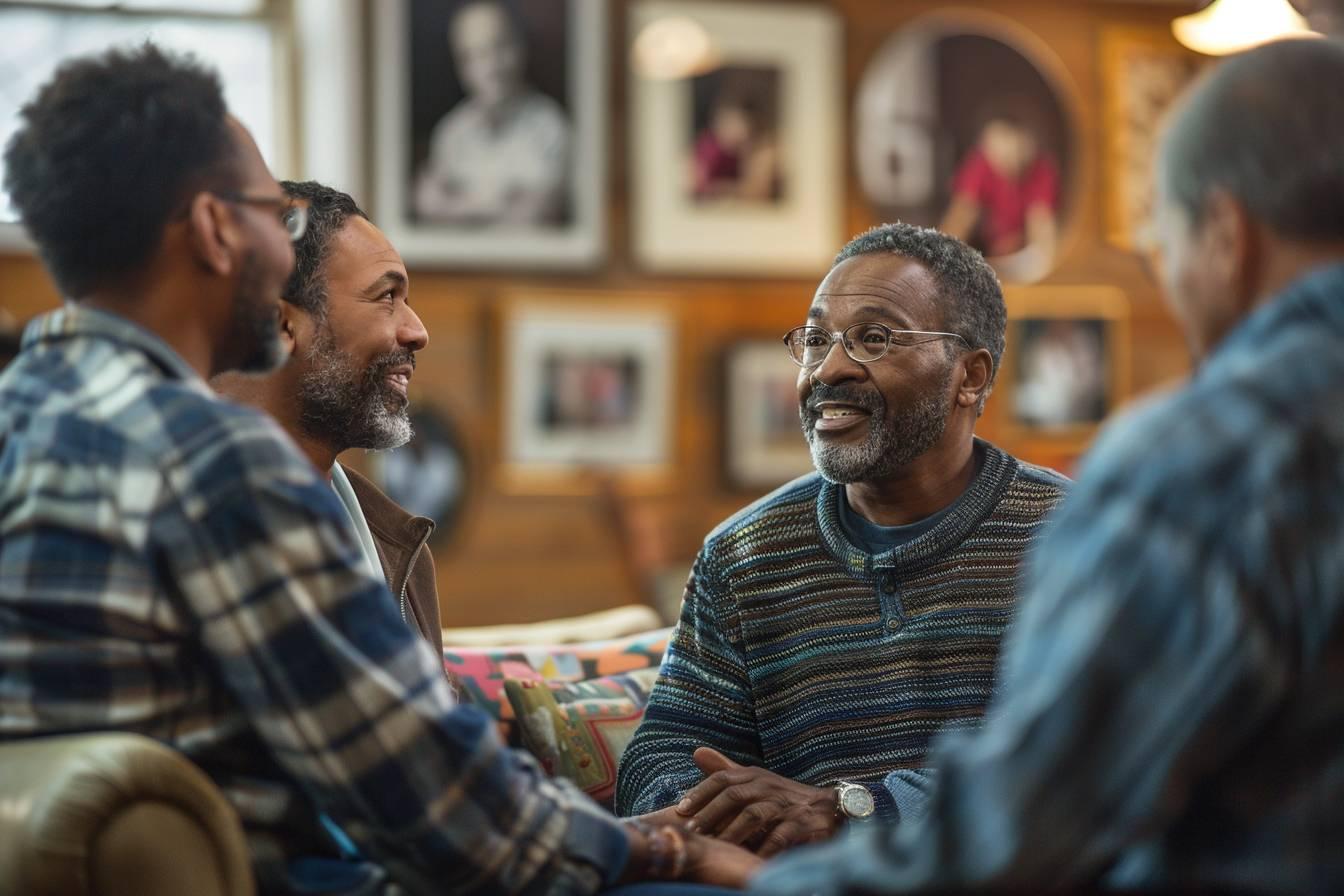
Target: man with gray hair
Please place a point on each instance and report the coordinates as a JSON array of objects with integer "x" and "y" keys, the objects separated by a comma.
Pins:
[
  {"x": 352, "y": 338},
  {"x": 1169, "y": 713},
  {"x": 831, "y": 628}
]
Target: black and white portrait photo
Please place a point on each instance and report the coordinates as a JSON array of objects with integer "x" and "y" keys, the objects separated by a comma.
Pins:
[{"x": 492, "y": 147}]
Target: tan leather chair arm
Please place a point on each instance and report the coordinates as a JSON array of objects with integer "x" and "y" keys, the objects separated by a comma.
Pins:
[{"x": 104, "y": 814}]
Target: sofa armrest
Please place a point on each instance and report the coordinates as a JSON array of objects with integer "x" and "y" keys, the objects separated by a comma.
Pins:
[{"x": 105, "y": 814}]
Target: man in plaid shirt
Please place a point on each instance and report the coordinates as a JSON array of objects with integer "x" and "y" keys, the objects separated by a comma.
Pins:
[{"x": 171, "y": 565}]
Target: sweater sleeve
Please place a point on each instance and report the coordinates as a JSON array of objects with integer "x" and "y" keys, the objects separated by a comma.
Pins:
[{"x": 702, "y": 698}]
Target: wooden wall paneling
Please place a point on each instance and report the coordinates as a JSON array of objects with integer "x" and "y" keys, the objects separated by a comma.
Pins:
[{"x": 518, "y": 558}]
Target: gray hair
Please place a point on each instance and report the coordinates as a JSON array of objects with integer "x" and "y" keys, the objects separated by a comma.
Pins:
[
  {"x": 971, "y": 298},
  {"x": 1267, "y": 126}
]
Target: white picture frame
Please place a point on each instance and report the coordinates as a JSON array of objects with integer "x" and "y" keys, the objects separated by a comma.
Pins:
[
  {"x": 800, "y": 231},
  {"x": 579, "y": 241},
  {"x": 587, "y": 388},
  {"x": 764, "y": 445}
]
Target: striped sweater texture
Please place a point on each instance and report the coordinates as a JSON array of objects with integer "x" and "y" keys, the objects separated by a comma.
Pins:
[{"x": 799, "y": 652}]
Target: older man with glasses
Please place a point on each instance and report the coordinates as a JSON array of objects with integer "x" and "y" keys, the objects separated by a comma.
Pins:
[{"x": 832, "y": 628}]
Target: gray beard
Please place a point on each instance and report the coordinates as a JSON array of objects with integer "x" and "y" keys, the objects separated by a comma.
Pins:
[
  {"x": 349, "y": 408},
  {"x": 891, "y": 444}
]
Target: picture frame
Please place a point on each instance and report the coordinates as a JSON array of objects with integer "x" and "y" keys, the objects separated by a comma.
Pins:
[
  {"x": 735, "y": 165},
  {"x": 967, "y": 122},
  {"x": 587, "y": 393},
  {"x": 1143, "y": 71},
  {"x": 455, "y": 186},
  {"x": 764, "y": 445},
  {"x": 1067, "y": 365},
  {"x": 430, "y": 475}
]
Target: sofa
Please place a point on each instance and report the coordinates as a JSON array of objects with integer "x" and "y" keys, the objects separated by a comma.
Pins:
[{"x": 111, "y": 814}]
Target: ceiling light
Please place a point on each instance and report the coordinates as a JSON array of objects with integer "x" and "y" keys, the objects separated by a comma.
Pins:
[
  {"x": 673, "y": 47},
  {"x": 1230, "y": 26}
]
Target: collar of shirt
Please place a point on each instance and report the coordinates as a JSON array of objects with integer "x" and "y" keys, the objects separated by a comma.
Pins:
[
  {"x": 77, "y": 322},
  {"x": 1312, "y": 297}
]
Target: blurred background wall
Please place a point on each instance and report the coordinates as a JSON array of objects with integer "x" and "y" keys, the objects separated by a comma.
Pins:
[{"x": 525, "y": 547}]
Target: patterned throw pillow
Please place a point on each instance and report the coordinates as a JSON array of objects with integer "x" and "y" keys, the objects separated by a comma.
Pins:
[
  {"x": 478, "y": 673},
  {"x": 578, "y": 730}
]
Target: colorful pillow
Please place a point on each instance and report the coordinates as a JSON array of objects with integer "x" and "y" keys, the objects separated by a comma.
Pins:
[
  {"x": 578, "y": 730},
  {"x": 478, "y": 673}
]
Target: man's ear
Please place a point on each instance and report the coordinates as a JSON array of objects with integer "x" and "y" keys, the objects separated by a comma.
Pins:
[
  {"x": 977, "y": 370},
  {"x": 1229, "y": 243},
  {"x": 212, "y": 233},
  {"x": 298, "y": 328}
]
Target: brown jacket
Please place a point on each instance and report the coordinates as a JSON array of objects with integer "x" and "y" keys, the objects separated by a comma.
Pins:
[{"x": 401, "y": 541}]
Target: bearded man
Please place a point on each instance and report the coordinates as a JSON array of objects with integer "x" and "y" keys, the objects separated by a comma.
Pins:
[
  {"x": 832, "y": 628},
  {"x": 353, "y": 338}
]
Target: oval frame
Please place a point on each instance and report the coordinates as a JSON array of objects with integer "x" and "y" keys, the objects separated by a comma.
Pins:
[{"x": 1035, "y": 52}]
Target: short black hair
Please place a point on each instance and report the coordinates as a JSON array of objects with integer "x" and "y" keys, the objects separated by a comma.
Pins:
[
  {"x": 107, "y": 151},
  {"x": 328, "y": 210},
  {"x": 1267, "y": 126},
  {"x": 973, "y": 306}
]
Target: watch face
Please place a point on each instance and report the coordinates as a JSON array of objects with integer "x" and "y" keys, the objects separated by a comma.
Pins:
[{"x": 856, "y": 801}]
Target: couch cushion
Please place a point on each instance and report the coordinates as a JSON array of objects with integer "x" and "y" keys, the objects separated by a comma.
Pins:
[
  {"x": 478, "y": 673},
  {"x": 578, "y": 730}
]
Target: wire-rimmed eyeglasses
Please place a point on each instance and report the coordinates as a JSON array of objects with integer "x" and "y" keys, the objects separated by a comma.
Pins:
[
  {"x": 293, "y": 215},
  {"x": 864, "y": 342}
]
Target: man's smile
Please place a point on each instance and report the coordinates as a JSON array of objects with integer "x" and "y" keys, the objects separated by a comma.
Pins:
[{"x": 836, "y": 416}]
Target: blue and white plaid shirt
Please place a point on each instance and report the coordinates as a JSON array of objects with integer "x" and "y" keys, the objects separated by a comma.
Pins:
[
  {"x": 171, "y": 565},
  {"x": 1171, "y": 703}
]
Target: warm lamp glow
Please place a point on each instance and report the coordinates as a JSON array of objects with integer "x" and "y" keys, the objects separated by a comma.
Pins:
[
  {"x": 673, "y": 47},
  {"x": 1230, "y": 26}
]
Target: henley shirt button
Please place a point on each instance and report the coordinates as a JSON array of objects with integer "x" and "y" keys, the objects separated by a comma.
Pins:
[
  {"x": 893, "y": 624},
  {"x": 889, "y": 585}
]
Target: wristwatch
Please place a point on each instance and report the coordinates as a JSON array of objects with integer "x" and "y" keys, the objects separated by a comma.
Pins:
[{"x": 853, "y": 801}]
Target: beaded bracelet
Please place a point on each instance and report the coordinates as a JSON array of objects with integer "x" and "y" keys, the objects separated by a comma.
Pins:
[{"x": 667, "y": 850}]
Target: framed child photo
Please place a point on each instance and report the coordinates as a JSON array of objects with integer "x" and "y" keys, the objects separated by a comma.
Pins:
[{"x": 735, "y": 150}]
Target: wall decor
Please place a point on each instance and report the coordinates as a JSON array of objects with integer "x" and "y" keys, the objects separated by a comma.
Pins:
[
  {"x": 1067, "y": 365},
  {"x": 764, "y": 444},
  {"x": 1142, "y": 74},
  {"x": 963, "y": 122},
  {"x": 735, "y": 164},
  {"x": 587, "y": 391},
  {"x": 490, "y": 145}
]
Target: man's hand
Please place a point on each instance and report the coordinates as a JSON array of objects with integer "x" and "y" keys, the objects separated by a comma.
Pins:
[
  {"x": 718, "y": 863},
  {"x": 756, "y": 808}
]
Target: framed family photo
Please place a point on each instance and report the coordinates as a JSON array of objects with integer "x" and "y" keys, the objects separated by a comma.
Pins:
[
  {"x": 1067, "y": 366},
  {"x": 490, "y": 144},
  {"x": 764, "y": 444},
  {"x": 735, "y": 156},
  {"x": 587, "y": 388},
  {"x": 1143, "y": 72}
]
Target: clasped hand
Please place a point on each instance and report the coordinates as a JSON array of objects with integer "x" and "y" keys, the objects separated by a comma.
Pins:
[{"x": 755, "y": 808}]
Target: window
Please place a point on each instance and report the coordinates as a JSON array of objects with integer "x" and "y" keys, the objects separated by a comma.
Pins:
[{"x": 246, "y": 41}]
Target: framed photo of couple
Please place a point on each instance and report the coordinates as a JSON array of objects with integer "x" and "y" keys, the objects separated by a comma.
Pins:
[{"x": 490, "y": 131}]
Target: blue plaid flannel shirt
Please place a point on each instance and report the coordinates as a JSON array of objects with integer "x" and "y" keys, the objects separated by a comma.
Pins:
[
  {"x": 1171, "y": 702},
  {"x": 171, "y": 565}
]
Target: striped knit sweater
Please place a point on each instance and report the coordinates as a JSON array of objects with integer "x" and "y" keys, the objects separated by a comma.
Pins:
[{"x": 801, "y": 653}]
